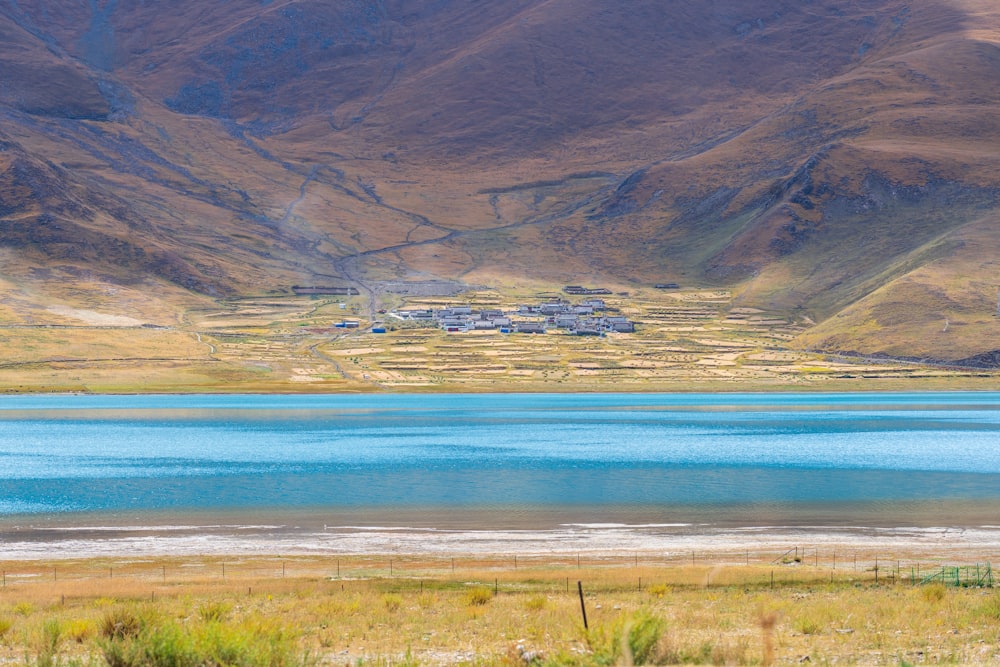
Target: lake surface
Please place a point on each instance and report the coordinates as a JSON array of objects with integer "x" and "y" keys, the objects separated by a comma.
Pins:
[{"x": 500, "y": 461}]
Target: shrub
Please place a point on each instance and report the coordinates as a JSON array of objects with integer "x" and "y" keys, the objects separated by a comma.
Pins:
[
  {"x": 644, "y": 634},
  {"x": 170, "y": 644},
  {"x": 214, "y": 612},
  {"x": 733, "y": 652},
  {"x": 79, "y": 630},
  {"x": 990, "y": 608},
  {"x": 478, "y": 595},
  {"x": 46, "y": 645},
  {"x": 164, "y": 645},
  {"x": 807, "y": 625},
  {"x": 659, "y": 590},
  {"x": 120, "y": 623},
  {"x": 5, "y": 625},
  {"x": 536, "y": 603},
  {"x": 392, "y": 601},
  {"x": 934, "y": 592},
  {"x": 633, "y": 640}
]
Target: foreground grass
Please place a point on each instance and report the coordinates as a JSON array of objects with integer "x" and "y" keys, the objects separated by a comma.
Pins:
[{"x": 172, "y": 613}]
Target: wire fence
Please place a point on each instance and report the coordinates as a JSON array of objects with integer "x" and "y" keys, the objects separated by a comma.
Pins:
[{"x": 766, "y": 568}]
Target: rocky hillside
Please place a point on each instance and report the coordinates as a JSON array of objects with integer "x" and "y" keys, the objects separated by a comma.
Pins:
[{"x": 833, "y": 160}]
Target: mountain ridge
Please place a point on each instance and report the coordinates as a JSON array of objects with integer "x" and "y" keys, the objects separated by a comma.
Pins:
[{"x": 822, "y": 158}]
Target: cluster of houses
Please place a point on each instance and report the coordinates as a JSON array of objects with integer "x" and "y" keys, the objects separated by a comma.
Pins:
[{"x": 587, "y": 318}]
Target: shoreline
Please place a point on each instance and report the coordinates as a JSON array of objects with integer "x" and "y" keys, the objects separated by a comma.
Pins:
[
  {"x": 679, "y": 387},
  {"x": 598, "y": 540}
]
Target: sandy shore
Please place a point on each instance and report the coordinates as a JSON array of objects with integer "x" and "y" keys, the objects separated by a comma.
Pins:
[
  {"x": 959, "y": 530},
  {"x": 52, "y": 541}
]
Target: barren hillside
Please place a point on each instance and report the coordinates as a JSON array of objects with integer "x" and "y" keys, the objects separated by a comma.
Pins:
[{"x": 833, "y": 161}]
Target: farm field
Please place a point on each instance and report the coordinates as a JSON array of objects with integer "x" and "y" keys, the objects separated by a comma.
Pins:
[{"x": 684, "y": 340}]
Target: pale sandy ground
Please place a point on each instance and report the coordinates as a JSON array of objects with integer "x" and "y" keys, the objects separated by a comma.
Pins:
[
  {"x": 95, "y": 318},
  {"x": 667, "y": 541}
]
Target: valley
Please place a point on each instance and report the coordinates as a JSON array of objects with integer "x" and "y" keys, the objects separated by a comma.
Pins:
[
  {"x": 685, "y": 340},
  {"x": 158, "y": 164}
]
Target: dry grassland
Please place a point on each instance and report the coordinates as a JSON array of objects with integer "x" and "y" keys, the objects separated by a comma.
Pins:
[
  {"x": 383, "y": 610},
  {"x": 685, "y": 340}
]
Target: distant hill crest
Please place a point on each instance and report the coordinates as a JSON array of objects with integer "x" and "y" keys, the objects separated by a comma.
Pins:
[{"x": 832, "y": 160}]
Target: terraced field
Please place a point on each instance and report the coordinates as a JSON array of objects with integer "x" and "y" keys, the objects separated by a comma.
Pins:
[{"x": 684, "y": 340}]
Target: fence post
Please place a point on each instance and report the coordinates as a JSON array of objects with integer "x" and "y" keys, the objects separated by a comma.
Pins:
[{"x": 583, "y": 606}]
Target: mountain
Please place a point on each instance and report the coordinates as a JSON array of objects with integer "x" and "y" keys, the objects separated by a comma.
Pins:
[{"x": 834, "y": 161}]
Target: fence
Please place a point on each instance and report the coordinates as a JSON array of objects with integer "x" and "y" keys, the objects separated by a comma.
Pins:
[
  {"x": 541, "y": 572},
  {"x": 979, "y": 575}
]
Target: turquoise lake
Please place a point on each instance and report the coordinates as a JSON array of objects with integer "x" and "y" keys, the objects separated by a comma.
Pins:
[{"x": 503, "y": 460}]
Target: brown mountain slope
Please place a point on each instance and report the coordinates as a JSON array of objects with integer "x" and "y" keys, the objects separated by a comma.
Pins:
[{"x": 826, "y": 157}]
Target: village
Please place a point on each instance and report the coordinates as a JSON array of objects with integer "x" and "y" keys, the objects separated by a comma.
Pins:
[{"x": 589, "y": 317}]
